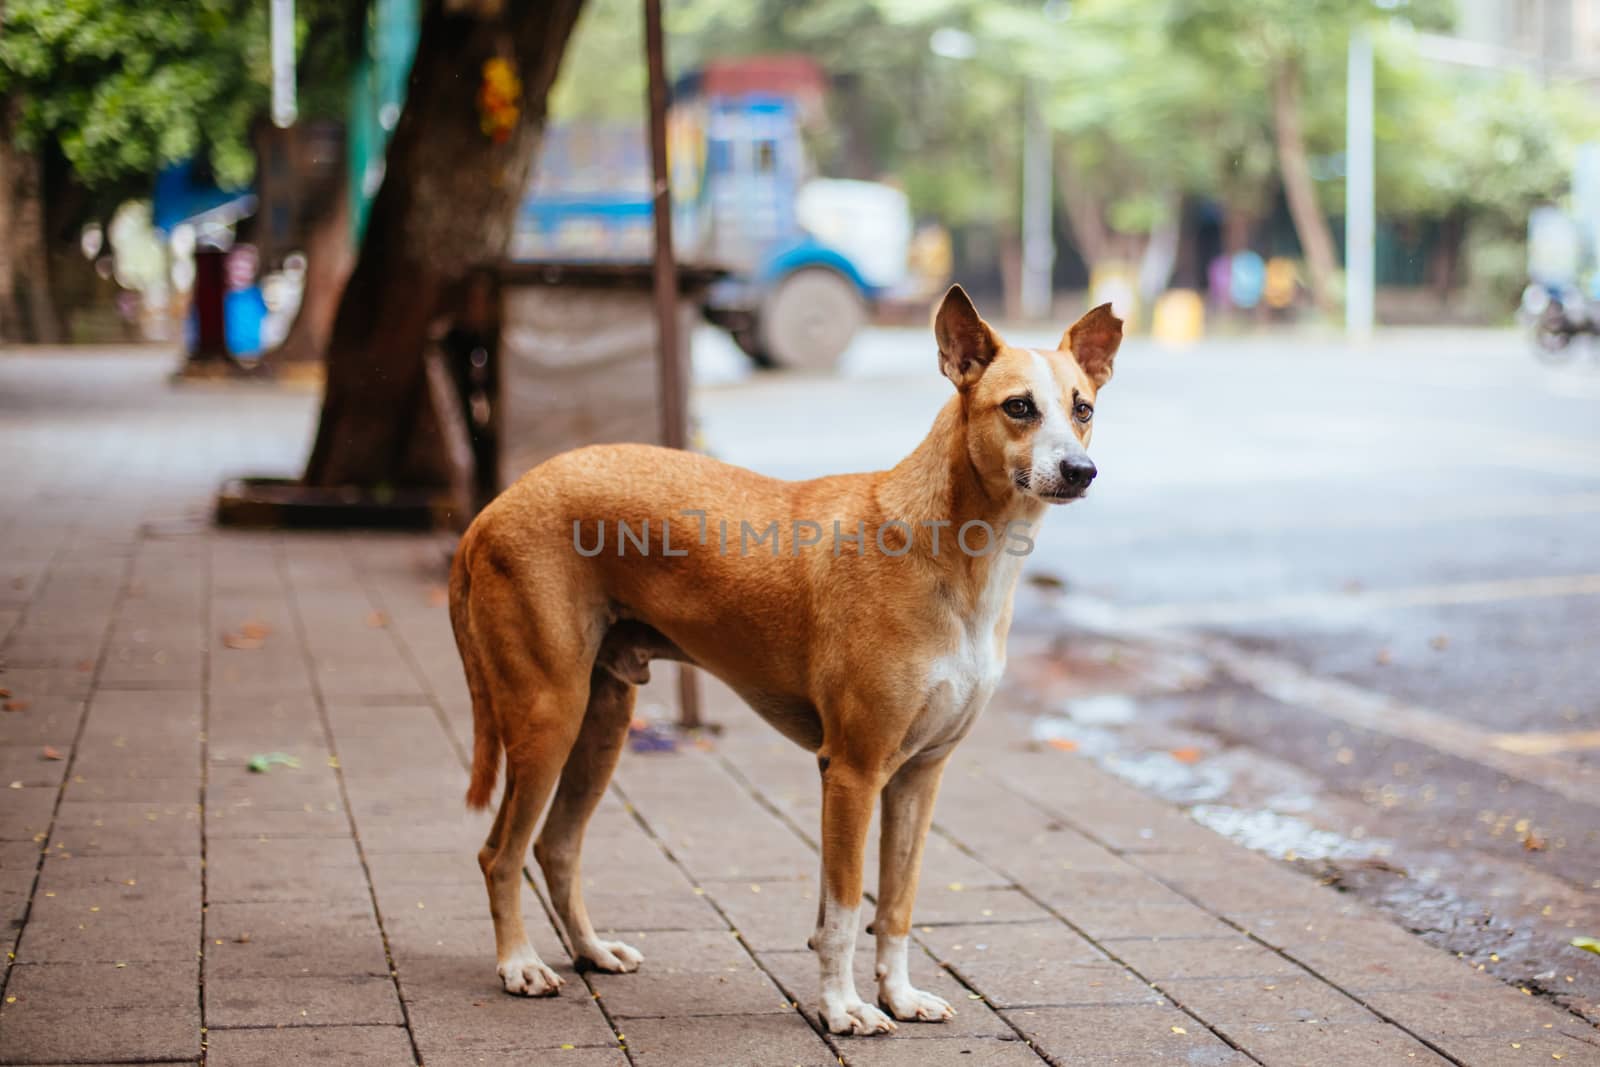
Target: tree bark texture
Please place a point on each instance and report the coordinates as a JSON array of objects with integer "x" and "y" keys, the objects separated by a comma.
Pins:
[
  {"x": 1311, "y": 226},
  {"x": 27, "y": 307},
  {"x": 330, "y": 256},
  {"x": 448, "y": 202}
]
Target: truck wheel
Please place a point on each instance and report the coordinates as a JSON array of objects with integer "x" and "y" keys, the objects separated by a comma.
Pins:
[{"x": 809, "y": 319}]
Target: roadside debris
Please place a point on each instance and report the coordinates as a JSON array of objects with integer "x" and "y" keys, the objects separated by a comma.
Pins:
[{"x": 262, "y": 763}]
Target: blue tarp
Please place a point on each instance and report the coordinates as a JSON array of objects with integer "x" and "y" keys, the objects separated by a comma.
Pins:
[{"x": 180, "y": 197}]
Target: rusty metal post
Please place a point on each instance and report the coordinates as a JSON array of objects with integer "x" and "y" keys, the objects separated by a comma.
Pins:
[{"x": 674, "y": 379}]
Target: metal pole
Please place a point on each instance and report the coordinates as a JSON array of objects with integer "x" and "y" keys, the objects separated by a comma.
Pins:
[
  {"x": 1359, "y": 193},
  {"x": 284, "y": 109},
  {"x": 674, "y": 382},
  {"x": 1038, "y": 242}
]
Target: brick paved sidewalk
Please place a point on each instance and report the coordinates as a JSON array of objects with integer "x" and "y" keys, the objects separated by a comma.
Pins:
[{"x": 168, "y": 904}]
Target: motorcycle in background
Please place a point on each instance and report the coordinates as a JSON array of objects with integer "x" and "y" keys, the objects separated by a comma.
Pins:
[{"x": 1560, "y": 316}]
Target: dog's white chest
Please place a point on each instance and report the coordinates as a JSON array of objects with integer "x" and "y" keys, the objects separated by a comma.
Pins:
[{"x": 961, "y": 681}]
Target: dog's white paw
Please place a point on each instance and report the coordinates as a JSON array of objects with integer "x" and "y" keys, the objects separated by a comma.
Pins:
[
  {"x": 613, "y": 957},
  {"x": 909, "y": 1003},
  {"x": 855, "y": 1016},
  {"x": 525, "y": 975}
]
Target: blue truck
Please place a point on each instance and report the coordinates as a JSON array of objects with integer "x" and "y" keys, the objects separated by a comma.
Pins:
[{"x": 806, "y": 256}]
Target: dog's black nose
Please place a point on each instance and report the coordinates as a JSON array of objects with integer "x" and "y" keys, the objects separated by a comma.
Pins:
[{"x": 1077, "y": 472}]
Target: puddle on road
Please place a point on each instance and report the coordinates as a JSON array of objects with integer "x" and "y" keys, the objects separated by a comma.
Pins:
[
  {"x": 1284, "y": 836},
  {"x": 1140, "y": 714}
]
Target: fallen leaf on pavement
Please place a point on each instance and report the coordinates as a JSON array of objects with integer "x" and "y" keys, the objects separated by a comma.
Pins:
[
  {"x": 1187, "y": 755},
  {"x": 16, "y": 705},
  {"x": 241, "y": 641},
  {"x": 377, "y": 620},
  {"x": 1588, "y": 944},
  {"x": 51, "y": 752},
  {"x": 1533, "y": 842},
  {"x": 261, "y": 763},
  {"x": 4, "y": 692},
  {"x": 1440, "y": 642},
  {"x": 255, "y": 629},
  {"x": 1064, "y": 744},
  {"x": 1384, "y": 657}
]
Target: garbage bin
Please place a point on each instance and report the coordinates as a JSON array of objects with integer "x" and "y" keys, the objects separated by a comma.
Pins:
[{"x": 577, "y": 356}]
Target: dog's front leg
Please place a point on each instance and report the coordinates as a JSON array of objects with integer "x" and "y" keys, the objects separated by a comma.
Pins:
[
  {"x": 848, "y": 793},
  {"x": 907, "y": 813}
]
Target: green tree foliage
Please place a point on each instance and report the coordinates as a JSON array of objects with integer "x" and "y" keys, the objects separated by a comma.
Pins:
[{"x": 124, "y": 87}]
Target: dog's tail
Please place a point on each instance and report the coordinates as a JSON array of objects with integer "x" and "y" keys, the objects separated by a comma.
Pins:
[{"x": 485, "y": 730}]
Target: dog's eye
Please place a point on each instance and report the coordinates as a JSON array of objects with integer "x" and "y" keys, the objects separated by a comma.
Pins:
[
  {"x": 1019, "y": 407},
  {"x": 1082, "y": 412}
]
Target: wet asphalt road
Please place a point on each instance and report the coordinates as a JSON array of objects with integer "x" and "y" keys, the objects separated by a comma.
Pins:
[{"x": 1343, "y": 603}]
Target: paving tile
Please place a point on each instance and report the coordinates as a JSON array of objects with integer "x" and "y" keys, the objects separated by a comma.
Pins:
[
  {"x": 28, "y": 765},
  {"x": 174, "y": 876},
  {"x": 1162, "y": 958},
  {"x": 137, "y": 786},
  {"x": 1154, "y": 914},
  {"x": 1316, "y": 1044},
  {"x": 1492, "y": 1009},
  {"x": 111, "y": 923},
  {"x": 677, "y": 909},
  {"x": 902, "y": 1050},
  {"x": 347, "y": 1046},
  {"x": 1124, "y": 1035},
  {"x": 457, "y": 1006},
  {"x": 957, "y": 902},
  {"x": 1024, "y": 964},
  {"x": 302, "y": 1001},
  {"x": 26, "y": 813},
  {"x": 689, "y": 973},
  {"x": 1541, "y": 1047},
  {"x": 1368, "y": 954},
  {"x": 728, "y": 1041},
  {"x": 277, "y": 939},
  {"x": 96, "y": 828},
  {"x": 568, "y": 1057},
  {"x": 1222, "y": 1001},
  {"x": 298, "y": 868},
  {"x": 143, "y": 1011},
  {"x": 774, "y": 915}
]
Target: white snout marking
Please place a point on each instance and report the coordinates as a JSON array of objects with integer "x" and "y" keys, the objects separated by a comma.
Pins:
[{"x": 1054, "y": 440}]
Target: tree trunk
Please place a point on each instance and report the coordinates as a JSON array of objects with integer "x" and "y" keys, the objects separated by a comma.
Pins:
[
  {"x": 27, "y": 308},
  {"x": 1311, "y": 226},
  {"x": 448, "y": 202},
  {"x": 10, "y": 307},
  {"x": 1085, "y": 216},
  {"x": 1237, "y": 227},
  {"x": 1445, "y": 267},
  {"x": 330, "y": 255}
]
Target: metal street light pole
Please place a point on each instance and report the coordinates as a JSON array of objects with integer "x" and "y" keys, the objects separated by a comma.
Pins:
[
  {"x": 674, "y": 378},
  {"x": 1038, "y": 241},
  {"x": 1359, "y": 193},
  {"x": 284, "y": 108}
]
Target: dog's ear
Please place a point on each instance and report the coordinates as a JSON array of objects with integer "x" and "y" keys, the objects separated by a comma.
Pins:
[
  {"x": 966, "y": 343},
  {"x": 1093, "y": 341}
]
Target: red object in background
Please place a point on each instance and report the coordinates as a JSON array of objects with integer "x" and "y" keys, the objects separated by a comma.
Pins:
[
  {"x": 789, "y": 75},
  {"x": 210, "y": 286}
]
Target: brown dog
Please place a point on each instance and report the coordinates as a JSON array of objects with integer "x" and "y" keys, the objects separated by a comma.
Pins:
[{"x": 875, "y": 647}]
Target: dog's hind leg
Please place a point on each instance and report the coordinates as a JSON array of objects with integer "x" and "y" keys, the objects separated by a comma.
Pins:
[
  {"x": 583, "y": 783},
  {"x": 533, "y": 763}
]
